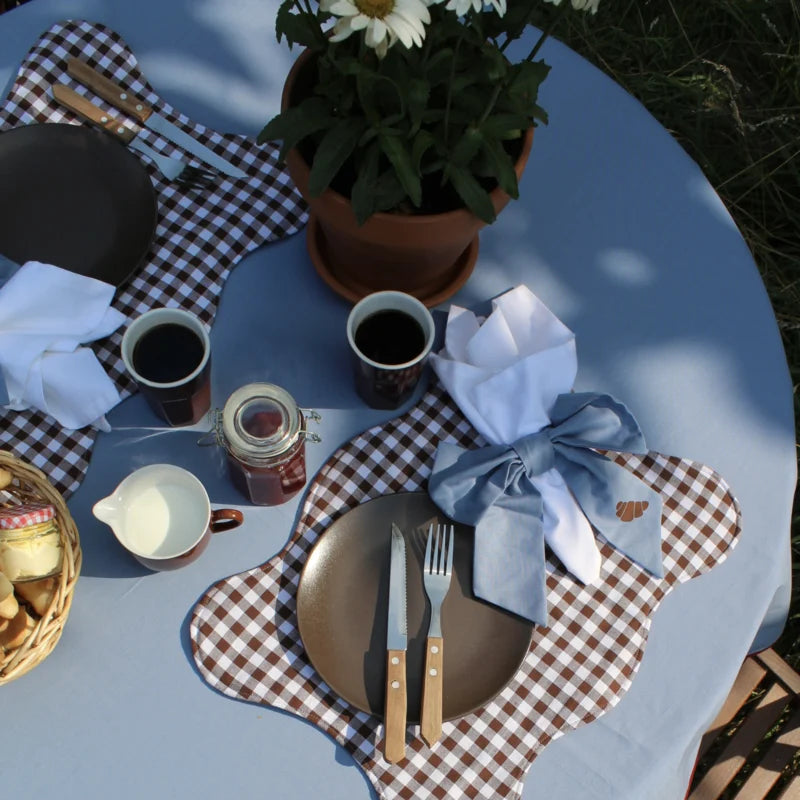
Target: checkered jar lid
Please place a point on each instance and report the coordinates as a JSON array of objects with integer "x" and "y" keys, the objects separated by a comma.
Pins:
[{"x": 25, "y": 515}]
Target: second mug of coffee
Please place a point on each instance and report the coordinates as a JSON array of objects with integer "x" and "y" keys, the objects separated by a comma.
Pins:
[
  {"x": 391, "y": 334},
  {"x": 167, "y": 352}
]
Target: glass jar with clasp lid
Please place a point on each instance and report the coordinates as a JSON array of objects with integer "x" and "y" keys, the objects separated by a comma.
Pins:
[
  {"x": 263, "y": 432},
  {"x": 30, "y": 542}
]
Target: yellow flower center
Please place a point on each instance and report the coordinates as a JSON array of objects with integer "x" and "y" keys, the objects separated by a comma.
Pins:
[{"x": 375, "y": 8}]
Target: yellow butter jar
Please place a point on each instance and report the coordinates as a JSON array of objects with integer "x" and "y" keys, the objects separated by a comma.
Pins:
[{"x": 30, "y": 542}]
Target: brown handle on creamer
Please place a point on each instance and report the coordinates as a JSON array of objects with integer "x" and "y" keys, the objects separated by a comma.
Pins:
[
  {"x": 89, "y": 111},
  {"x": 225, "y": 519},
  {"x": 108, "y": 90}
]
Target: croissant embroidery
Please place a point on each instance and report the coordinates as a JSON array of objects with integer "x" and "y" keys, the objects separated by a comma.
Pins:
[{"x": 629, "y": 510}]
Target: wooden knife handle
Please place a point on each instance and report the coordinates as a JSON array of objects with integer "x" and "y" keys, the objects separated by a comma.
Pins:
[
  {"x": 108, "y": 90},
  {"x": 89, "y": 111},
  {"x": 394, "y": 711},
  {"x": 431, "y": 717}
]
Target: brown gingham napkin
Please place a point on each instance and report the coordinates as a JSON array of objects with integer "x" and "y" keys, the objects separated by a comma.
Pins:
[
  {"x": 246, "y": 643},
  {"x": 198, "y": 239}
]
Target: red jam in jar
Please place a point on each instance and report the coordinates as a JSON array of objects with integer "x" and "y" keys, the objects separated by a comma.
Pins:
[{"x": 264, "y": 436}]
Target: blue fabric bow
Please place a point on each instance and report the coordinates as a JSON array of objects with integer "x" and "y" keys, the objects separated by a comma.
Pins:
[{"x": 491, "y": 489}]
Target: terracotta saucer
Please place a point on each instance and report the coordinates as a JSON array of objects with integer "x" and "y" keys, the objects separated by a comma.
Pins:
[{"x": 431, "y": 296}]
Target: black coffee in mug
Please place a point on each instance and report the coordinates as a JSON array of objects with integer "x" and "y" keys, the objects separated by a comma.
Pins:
[
  {"x": 390, "y": 337},
  {"x": 167, "y": 352}
]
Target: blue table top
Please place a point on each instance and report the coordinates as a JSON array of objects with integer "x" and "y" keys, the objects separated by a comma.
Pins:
[{"x": 621, "y": 235}]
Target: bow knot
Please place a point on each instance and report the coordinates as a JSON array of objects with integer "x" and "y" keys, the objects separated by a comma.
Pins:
[
  {"x": 566, "y": 483},
  {"x": 536, "y": 452}
]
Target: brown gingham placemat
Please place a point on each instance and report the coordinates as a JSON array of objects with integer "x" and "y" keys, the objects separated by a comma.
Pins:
[
  {"x": 246, "y": 643},
  {"x": 199, "y": 237}
]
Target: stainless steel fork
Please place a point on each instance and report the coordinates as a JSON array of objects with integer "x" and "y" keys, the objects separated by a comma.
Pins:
[
  {"x": 436, "y": 573},
  {"x": 174, "y": 169}
]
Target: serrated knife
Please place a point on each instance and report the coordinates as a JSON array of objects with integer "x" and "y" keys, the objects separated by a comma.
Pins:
[
  {"x": 394, "y": 711},
  {"x": 133, "y": 107}
]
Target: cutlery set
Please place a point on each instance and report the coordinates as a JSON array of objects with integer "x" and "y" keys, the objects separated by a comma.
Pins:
[
  {"x": 173, "y": 169},
  {"x": 437, "y": 571}
]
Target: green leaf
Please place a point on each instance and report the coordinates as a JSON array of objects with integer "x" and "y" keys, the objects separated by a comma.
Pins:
[
  {"x": 502, "y": 167},
  {"x": 505, "y": 126},
  {"x": 336, "y": 147},
  {"x": 388, "y": 192},
  {"x": 526, "y": 78},
  {"x": 363, "y": 193},
  {"x": 295, "y": 123},
  {"x": 540, "y": 115},
  {"x": 438, "y": 67},
  {"x": 495, "y": 64},
  {"x": 467, "y": 146},
  {"x": 474, "y": 196},
  {"x": 423, "y": 141},
  {"x": 418, "y": 95},
  {"x": 394, "y": 149},
  {"x": 297, "y": 28}
]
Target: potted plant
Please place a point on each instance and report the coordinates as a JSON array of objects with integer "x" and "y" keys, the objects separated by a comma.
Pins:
[{"x": 406, "y": 128}]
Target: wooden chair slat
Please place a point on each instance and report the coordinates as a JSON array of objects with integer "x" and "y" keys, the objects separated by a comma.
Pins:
[
  {"x": 734, "y": 756},
  {"x": 769, "y": 673},
  {"x": 779, "y": 755},
  {"x": 792, "y": 790},
  {"x": 782, "y": 671},
  {"x": 748, "y": 679}
]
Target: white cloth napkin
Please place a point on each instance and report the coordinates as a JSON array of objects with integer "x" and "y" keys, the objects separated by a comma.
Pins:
[
  {"x": 46, "y": 314},
  {"x": 505, "y": 373}
]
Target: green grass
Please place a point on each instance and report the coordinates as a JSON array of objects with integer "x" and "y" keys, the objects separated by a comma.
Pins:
[{"x": 723, "y": 76}]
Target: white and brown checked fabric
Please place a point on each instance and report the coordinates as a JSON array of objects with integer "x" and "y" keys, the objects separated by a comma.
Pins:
[
  {"x": 199, "y": 237},
  {"x": 246, "y": 644}
]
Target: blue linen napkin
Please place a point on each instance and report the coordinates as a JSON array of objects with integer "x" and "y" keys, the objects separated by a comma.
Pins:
[
  {"x": 539, "y": 483},
  {"x": 493, "y": 489}
]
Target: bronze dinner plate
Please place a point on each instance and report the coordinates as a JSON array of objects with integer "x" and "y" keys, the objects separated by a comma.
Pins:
[
  {"x": 74, "y": 197},
  {"x": 342, "y": 603}
]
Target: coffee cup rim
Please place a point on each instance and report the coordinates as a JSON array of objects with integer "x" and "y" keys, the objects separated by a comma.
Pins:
[
  {"x": 149, "y": 320},
  {"x": 391, "y": 300}
]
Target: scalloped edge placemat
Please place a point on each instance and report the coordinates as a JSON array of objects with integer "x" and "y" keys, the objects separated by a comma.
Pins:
[
  {"x": 199, "y": 237},
  {"x": 246, "y": 644}
]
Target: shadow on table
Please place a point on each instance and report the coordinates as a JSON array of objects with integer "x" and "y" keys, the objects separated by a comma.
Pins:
[{"x": 340, "y": 753}]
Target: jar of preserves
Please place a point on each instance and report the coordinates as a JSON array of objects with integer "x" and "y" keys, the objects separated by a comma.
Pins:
[
  {"x": 30, "y": 542},
  {"x": 263, "y": 432}
]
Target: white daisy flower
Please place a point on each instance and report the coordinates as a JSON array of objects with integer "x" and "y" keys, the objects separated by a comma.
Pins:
[
  {"x": 461, "y": 7},
  {"x": 383, "y": 21}
]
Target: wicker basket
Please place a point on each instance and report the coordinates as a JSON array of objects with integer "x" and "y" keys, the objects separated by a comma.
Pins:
[{"x": 29, "y": 485}]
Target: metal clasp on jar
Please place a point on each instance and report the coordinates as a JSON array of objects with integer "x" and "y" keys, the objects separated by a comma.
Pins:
[
  {"x": 216, "y": 435},
  {"x": 314, "y": 416}
]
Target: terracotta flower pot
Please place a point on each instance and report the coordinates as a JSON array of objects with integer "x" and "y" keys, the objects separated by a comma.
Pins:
[{"x": 429, "y": 256}]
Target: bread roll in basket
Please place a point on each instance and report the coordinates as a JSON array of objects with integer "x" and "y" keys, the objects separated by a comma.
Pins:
[{"x": 22, "y": 483}]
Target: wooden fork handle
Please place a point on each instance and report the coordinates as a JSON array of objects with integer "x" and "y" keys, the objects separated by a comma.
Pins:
[
  {"x": 395, "y": 704},
  {"x": 431, "y": 717}
]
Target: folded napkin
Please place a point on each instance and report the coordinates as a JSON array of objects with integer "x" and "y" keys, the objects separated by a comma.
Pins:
[
  {"x": 7, "y": 269},
  {"x": 46, "y": 313},
  {"x": 540, "y": 481}
]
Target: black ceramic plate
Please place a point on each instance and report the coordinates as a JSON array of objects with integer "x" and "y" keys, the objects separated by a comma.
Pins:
[
  {"x": 74, "y": 197},
  {"x": 342, "y": 603}
]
